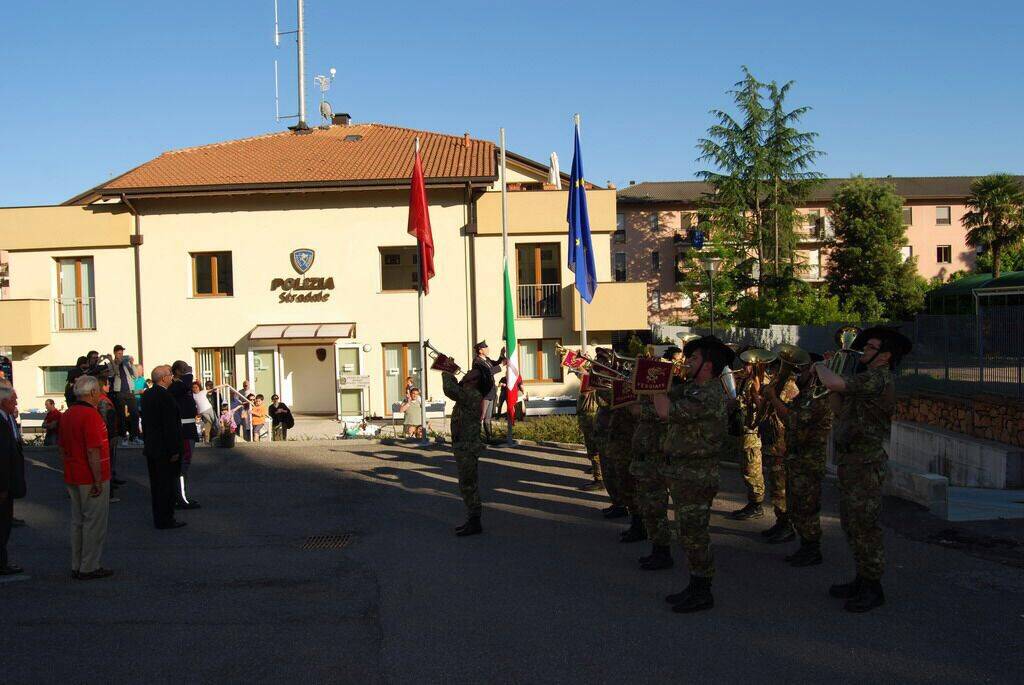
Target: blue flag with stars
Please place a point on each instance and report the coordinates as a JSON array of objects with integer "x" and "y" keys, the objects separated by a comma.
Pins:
[{"x": 581, "y": 249}]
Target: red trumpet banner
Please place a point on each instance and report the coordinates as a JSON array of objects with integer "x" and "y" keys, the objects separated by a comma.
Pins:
[
  {"x": 574, "y": 361},
  {"x": 652, "y": 376},
  {"x": 597, "y": 382},
  {"x": 585, "y": 384},
  {"x": 622, "y": 394}
]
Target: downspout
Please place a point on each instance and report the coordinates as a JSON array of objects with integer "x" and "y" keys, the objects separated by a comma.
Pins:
[
  {"x": 470, "y": 259},
  {"x": 136, "y": 243}
]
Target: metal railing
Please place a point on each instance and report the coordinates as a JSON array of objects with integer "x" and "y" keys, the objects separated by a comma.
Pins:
[
  {"x": 809, "y": 272},
  {"x": 75, "y": 313},
  {"x": 540, "y": 300}
]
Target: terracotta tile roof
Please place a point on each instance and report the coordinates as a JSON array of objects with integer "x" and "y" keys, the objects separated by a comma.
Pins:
[
  {"x": 910, "y": 188},
  {"x": 341, "y": 154}
]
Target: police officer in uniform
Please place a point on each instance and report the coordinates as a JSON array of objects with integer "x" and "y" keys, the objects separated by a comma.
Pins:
[
  {"x": 865, "y": 404},
  {"x": 490, "y": 368},
  {"x": 468, "y": 396}
]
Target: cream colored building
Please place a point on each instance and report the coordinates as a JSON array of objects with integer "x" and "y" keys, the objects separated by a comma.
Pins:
[{"x": 203, "y": 254}]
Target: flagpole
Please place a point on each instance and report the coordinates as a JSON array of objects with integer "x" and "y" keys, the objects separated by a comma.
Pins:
[
  {"x": 504, "y": 251},
  {"x": 422, "y": 352},
  {"x": 583, "y": 303}
]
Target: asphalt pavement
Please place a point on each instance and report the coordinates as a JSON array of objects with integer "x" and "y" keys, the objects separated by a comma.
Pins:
[{"x": 546, "y": 595}]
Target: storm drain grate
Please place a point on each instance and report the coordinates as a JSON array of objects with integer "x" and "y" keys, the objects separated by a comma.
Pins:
[{"x": 328, "y": 541}]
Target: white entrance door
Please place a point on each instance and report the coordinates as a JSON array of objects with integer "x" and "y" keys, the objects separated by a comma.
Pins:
[{"x": 308, "y": 376}]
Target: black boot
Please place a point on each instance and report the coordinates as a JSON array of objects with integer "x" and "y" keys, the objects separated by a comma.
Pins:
[
  {"x": 696, "y": 597},
  {"x": 780, "y": 521},
  {"x": 615, "y": 511},
  {"x": 470, "y": 527},
  {"x": 753, "y": 510},
  {"x": 635, "y": 532},
  {"x": 784, "y": 534},
  {"x": 869, "y": 595},
  {"x": 644, "y": 559},
  {"x": 809, "y": 554},
  {"x": 592, "y": 486},
  {"x": 660, "y": 558},
  {"x": 846, "y": 590}
]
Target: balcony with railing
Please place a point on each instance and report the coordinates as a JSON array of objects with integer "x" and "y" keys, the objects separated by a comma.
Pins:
[
  {"x": 810, "y": 272},
  {"x": 75, "y": 313},
  {"x": 540, "y": 300}
]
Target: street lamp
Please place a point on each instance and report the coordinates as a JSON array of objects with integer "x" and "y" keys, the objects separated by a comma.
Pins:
[{"x": 711, "y": 266}]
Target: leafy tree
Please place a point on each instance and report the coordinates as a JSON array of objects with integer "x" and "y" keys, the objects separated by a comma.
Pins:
[
  {"x": 996, "y": 219},
  {"x": 866, "y": 269},
  {"x": 1010, "y": 259},
  {"x": 798, "y": 304}
]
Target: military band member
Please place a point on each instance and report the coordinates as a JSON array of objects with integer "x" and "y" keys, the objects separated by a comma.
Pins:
[
  {"x": 773, "y": 449},
  {"x": 750, "y": 448},
  {"x": 865, "y": 405},
  {"x": 619, "y": 454},
  {"x": 586, "y": 413},
  {"x": 808, "y": 422},
  {"x": 694, "y": 439},
  {"x": 468, "y": 396}
]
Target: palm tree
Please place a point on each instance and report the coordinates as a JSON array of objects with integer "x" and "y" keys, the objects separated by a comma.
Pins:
[{"x": 996, "y": 216}]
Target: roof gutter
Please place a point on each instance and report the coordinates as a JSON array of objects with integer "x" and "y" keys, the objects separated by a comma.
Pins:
[{"x": 136, "y": 243}]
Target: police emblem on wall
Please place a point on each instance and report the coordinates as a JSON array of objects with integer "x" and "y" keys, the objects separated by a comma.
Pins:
[{"x": 302, "y": 259}]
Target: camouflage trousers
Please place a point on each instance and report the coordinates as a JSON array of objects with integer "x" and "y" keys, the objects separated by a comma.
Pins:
[
  {"x": 693, "y": 487},
  {"x": 466, "y": 459},
  {"x": 753, "y": 474},
  {"x": 777, "y": 477},
  {"x": 804, "y": 473},
  {"x": 860, "y": 504},
  {"x": 586, "y": 424},
  {"x": 618, "y": 481},
  {"x": 652, "y": 498}
]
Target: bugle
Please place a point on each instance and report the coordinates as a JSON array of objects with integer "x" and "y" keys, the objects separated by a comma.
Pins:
[{"x": 441, "y": 361}]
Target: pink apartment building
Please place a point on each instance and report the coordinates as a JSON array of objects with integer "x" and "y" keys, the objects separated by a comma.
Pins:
[{"x": 654, "y": 220}]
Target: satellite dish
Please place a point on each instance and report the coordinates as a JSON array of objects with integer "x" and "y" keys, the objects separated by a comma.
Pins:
[{"x": 326, "y": 112}]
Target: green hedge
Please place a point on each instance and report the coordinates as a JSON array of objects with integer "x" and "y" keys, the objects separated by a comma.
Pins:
[{"x": 559, "y": 428}]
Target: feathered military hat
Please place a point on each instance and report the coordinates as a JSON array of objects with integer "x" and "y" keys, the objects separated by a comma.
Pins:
[
  {"x": 715, "y": 350},
  {"x": 894, "y": 342}
]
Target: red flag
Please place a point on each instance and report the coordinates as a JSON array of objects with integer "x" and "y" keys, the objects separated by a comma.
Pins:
[{"x": 419, "y": 224}]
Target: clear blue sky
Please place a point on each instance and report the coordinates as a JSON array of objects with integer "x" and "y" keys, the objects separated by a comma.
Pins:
[{"x": 90, "y": 89}]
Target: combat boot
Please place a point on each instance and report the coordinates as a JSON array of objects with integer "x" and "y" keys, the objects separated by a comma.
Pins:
[
  {"x": 635, "y": 532},
  {"x": 615, "y": 511},
  {"x": 846, "y": 590},
  {"x": 780, "y": 522},
  {"x": 592, "y": 486},
  {"x": 783, "y": 534},
  {"x": 753, "y": 510},
  {"x": 809, "y": 554},
  {"x": 869, "y": 595},
  {"x": 470, "y": 527},
  {"x": 660, "y": 558},
  {"x": 696, "y": 597}
]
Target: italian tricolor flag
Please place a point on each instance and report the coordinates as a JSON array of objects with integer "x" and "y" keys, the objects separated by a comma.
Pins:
[{"x": 512, "y": 374}]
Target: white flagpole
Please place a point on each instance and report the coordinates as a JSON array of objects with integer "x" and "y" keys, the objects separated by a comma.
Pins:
[
  {"x": 583, "y": 303},
  {"x": 422, "y": 352},
  {"x": 504, "y": 250}
]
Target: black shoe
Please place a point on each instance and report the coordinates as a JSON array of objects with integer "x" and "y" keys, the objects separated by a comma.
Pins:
[
  {"x": 187, "y": 505},
  {"x": 845, "y": 590},
  {"x": 17, "y": 523},
  {"x": 783, "y": 534},
  {"x": 95, "y": 575},
  {"x": 592, "y": 486},
  {"x": 470, "y": 527},
  {"x": 809, "y": 554},
  {"x": 118, "y": 482},
  {"x": 780, "y": 522},
  {"x": 171, "y": 525},
  {"x": 615, "y": 511},
  {"x": 753, "y": 510},
  {"x": 11, "y": 570},
  {"x": 869, "y": 595},
  {"x": 696, "y": 597},
  {"x": 659, "y": 559},
  {"x": 635, "y": 532},
  {"x": 75, "y": 575}
]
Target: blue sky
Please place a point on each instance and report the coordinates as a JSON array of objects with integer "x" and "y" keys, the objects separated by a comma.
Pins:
[{"x": 90, "y": 89}]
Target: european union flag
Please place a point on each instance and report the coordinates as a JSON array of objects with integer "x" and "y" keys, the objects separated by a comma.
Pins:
[{"x": 581, "y": 249}]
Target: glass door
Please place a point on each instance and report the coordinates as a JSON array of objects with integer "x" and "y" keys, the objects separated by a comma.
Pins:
[
  {"x": 401, "y": 361},
  {"x": 264, "y": 377},
  {"x": 350, "y": 401}
]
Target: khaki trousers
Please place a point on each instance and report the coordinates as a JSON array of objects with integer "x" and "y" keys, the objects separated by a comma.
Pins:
[{"x": 88, "y": 526}]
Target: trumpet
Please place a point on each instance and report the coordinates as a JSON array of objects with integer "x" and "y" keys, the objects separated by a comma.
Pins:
[
  {"x": 609, "y": 370},
  {"x": 441, "y": 361},
  {"x": 842, "y": 363}
]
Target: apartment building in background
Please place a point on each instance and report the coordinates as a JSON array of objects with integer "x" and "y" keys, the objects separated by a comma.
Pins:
[{"x": 654, "y": 220}]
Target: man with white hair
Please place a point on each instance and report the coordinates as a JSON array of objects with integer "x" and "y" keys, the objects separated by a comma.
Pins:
[
  {"x": 161, "y": 433},
  {"x": 12, "y": 471},
  {"x": 85, "y": 451}
]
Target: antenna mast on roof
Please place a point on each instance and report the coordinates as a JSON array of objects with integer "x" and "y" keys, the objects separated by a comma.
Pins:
[{"x": 299, "y": 36}]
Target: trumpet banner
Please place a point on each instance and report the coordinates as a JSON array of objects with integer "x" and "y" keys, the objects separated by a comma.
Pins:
[{"x": 512, "y": 378}]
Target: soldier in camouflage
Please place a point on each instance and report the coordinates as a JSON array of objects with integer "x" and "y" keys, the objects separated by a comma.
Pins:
[
  {"x": 773, "y": 440},
  {"x": 865, "y": 404},
  {"x": 602, "y": 421},
  {"x": 586, "y": 412},
  {"x": 694, "y": 439},
  {"x": 468, "y": 396},
  {"x": 618, "y": 449},
  {"x": 750, "y": 446}
]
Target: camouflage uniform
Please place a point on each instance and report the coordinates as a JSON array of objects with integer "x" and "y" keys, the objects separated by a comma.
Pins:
[
  {"x": 697, "y": 428},
  {"x": 618, "y": 455},
  {"x": 602, "y": 421},
  {"x": 466, "y": 438},
  {"x": 861, "y": 428},
  {"x": 646, "y": 467},
  {"x": 773, "y": 437},
  {"x": 807, "y": 428},
  {"x": 753, "y": 474},
  {"x": 586, "y": 409}
]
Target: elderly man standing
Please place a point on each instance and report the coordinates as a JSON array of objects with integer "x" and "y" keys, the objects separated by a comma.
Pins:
[
  {"x": 161, "y": 432},
  {"x": 12, "y": 471},
  {"x": 85, "y": 451}
]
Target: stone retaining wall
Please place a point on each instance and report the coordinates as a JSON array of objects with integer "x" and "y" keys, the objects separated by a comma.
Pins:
[{"x": 982, "y": 416}]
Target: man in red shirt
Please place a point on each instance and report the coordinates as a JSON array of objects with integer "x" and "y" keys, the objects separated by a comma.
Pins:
[
  {"x": 84, "y": 448},
  {"x": 51, "y": 422}
]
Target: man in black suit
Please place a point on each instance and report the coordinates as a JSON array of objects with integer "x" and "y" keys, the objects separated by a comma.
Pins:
[
  {"x": 12, "y": 471},
  {"x": 161, "y": 431}
]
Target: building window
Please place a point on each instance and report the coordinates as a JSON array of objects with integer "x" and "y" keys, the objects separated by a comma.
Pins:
[
  {"x": 538, "y": 361},
  {"x": 212, "y": 275},
  {"x": 942, "y": 216},
  {"x": 680, "y": 270},
  {"x": 539, "y": 278},
  {"x": 944, "y": 254},
  {"x": 656, "y": 261},
  {"x": 76, "y": 301},
  {"x": 216, "y": 364},
  {"x": 620, "y": 228},
  {"x": 812, "y": 217},
  {"x": 620, "y": 266},
  {"x": 55, "y": 379},
  {"x": 654, "y": 223},
  {"x": 401, "y": 361},
  {"x": 907, "y": 251},
  {"x": 656, "y": 300},
  {"x": 908, "y": 216},
  {"x": 399, "y": 268}
]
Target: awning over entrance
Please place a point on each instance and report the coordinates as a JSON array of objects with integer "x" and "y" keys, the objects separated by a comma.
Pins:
[{"x": 304, "y": 331}]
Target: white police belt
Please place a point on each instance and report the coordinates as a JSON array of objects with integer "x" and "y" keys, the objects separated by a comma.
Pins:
[{"x": 185, "y": 422}]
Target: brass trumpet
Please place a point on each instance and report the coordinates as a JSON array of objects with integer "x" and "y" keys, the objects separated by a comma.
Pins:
[{"x": 441, "y": 361}]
